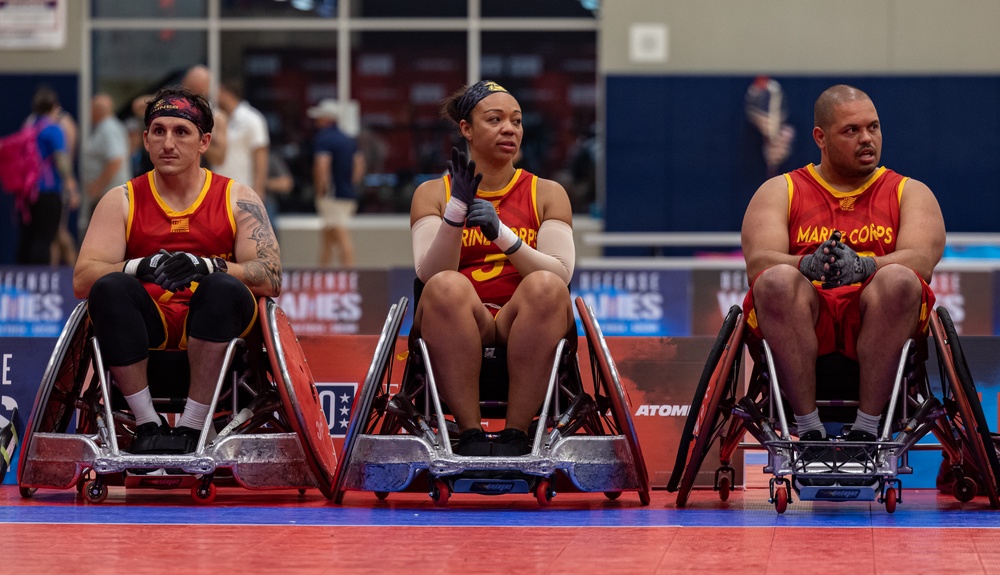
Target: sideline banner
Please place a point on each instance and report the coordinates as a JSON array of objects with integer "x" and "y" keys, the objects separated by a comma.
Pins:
[
  {"x": 35, "y": 300},
  {"x": 636, "y": 302},
  {"x": 22, "y": 365}
]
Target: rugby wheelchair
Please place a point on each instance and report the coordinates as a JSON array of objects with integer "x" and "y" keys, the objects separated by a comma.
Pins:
[
  {"x": 403, "y": 441},
  {"x": 836, "y": 470},
  {"x": 268, "y": 430}
]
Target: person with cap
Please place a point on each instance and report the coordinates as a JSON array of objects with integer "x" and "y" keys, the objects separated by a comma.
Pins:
[
  {"x": 338, "y": 166},
  {"x": 175, "y": 259},
  {"x": 494, "y": 247}
]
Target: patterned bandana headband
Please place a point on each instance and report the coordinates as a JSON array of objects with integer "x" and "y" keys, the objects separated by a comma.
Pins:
[
  {"x": 475, "y": 93},
  {"x": 177, "y": 107}
]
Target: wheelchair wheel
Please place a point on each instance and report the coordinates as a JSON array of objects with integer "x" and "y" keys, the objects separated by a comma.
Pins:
[
  {"x": 366, "y": 412},
  {"x": 607, "y": 374},
  {"x": 964, "y": 408},
  {"x": 707, "y": 415},
  {"x": 299, "y": 397},
  {"x": 60, "y": 388}
]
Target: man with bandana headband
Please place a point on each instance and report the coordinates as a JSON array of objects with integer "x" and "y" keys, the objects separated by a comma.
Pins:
[
  {"x": 494, "y": 246},
  {"x": 175, "y": 259}
]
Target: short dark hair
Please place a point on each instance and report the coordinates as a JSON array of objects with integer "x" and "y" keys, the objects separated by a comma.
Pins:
[{"x": 44, "y": 101}]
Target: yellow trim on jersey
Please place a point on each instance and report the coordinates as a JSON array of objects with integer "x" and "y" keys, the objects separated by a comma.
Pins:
[
  {"x": 534, "y": 198},
  {"x": 229, "y": 206},
  {"x": 131, "y": 210},
  {"x": 190, "y": 209},
  {"x": 899, "y": 191},
  {"x": 837, "y": 193},
  {"x": 491, "y": 195},
  {"x": 447, "y": 188},
  {"x": 791, "y": 192}
]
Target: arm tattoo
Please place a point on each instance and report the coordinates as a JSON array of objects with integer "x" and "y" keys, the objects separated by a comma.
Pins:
[{"x": 267, "y": 268}]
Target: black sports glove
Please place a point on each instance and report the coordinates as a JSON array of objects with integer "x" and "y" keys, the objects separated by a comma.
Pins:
[
  {"x": 848, "y": 267},
  {"x": 483, "y": 214},
  {"x": 144, "y": 269},
  {"x": 178, "y": 271},
  {"x": 464, "y": 183},
  {"x": 815, "y": 266}
]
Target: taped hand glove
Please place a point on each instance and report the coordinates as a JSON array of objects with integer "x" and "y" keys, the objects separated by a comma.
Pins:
[
  {"x": 144, "y": 269},
  {"x": 464, "y": 183},
  {"x": 848, "y": 267},
  {"x": 483, "y": 214},
  {"x": 816, "y": 265},
  {"x": 181, "y": 269}
]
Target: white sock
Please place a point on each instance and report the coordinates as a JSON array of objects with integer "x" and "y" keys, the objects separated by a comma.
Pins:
[
  {"x": 810, "y": 422},
  {"x": 865, "y": 422},
  {"x": 141, "y": 404},
  {"x": 194, "y": 415}
]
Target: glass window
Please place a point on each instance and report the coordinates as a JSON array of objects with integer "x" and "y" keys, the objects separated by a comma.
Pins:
[
  {"x": 283, "y": 73},
  {"x": 537, "y": 9},
  {"x": 278, "y": 8},
  {"x": 409, "y": 8},
  {"x": 553, "y": 75},
  {"x": 127, "y": 63},
  {"x": 146, "y": 9},
  {"x": 399, "y": 80}
]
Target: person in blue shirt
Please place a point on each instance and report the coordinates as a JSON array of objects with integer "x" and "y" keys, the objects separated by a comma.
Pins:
[
  {"x": 338, "y": 167},
  {"x": 57, "y": 187}
]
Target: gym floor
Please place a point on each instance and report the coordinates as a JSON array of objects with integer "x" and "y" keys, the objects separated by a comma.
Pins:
[{"x": 137, "y": 531}]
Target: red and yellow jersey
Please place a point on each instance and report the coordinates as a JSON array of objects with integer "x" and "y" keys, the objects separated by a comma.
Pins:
[
  {"x": 206, "y": 228},
  {"x": 868, "y": 217},
  {"x": 494, "y": 277}
]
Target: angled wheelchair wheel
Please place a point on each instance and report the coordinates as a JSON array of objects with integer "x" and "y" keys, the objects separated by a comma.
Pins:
[
  {"x": 607, "y": 374},
  {"x": 299, "y": 396},
  {"x": 711, "y": 406},
  {"x": 61, "y": 386},
  {"x": 962, "y": 403},
  {"x": 367, "y": 411}
]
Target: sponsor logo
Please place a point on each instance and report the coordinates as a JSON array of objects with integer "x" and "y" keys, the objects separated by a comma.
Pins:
[
  {"x": 663, "y": 410},
  {"x": 337, "y": 400}
]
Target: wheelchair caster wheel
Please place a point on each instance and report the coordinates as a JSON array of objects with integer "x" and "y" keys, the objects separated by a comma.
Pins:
[
  {"x": 26, "y": 492},
  {"x": 612, "y": 495},
  {"x": 440, "y": 493},
  {"x": 95, "y": 492},
  {"x": 381, "y": 495},
  {"x": 965, "y": 489},
  {"x": 204, "y": 493},
  {"x": 544, "y": 493},
  {"x": 891, "y": 498},
  {"x": 780, "y": 499},
  {"x": 725, "y": 487}
]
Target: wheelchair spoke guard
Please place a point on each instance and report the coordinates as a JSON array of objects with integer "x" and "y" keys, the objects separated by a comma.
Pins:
[{"x": 298, "y": 392}]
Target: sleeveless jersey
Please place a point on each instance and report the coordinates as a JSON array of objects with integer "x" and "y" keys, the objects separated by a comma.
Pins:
[
  {"x": 206, "y": 228},
  {"x": 486, "y": 266},
  {"x": 868, "y": 217}
]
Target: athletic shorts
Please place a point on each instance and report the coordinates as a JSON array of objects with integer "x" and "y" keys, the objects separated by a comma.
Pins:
[
  {"x": 839, "y": 321},
  {"x": 336, "y": 212}
]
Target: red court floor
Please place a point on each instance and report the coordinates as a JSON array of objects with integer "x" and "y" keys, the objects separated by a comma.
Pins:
[{"x": 146, "y": 531}]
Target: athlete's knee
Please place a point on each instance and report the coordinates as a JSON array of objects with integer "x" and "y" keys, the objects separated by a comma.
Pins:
[
  {"x": 894, "y": 285},
  {"x": 112, "y": 291},
  {"x": 222, "y": 308},
  {"x": 543, "y": 289},
  {"x": 448, "y": 290}
]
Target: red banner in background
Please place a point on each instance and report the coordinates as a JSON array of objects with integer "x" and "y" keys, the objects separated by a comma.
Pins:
[{"x": 968, "y": 297}]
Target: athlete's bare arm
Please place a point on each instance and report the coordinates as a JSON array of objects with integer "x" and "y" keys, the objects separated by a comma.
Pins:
[
  {"x": 921, "y": 238},
  {"x": 258, "y": 258},
  {"x": 765, "y": 228},
  {"x": 103, "y": 249}
]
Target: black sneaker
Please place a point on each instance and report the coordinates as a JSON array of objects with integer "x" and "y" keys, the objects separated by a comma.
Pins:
[
  {"x": 858, "y": 435},
  {"x": 512, "y": 443},
  {"x": 473, "y": 443},
  {"x": 862, "y": 455},
  {"x": 148, "y": 438},
  {"x": 813, "y": 435},
  {"x": 188, "y": 435}
]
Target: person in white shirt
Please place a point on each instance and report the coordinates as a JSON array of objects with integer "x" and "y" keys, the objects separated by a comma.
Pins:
[
  {"x": 247, "y": 141},
  {"x": 105, "y": 155}
]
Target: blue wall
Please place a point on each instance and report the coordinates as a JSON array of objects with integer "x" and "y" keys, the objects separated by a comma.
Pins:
[{"x": 681, "y": 155}]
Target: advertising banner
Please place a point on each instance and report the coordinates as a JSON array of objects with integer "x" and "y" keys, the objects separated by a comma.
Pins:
[
  {"x": 35, "y": 300},
  {"x": 22, "y": 365},
  {"x": 330, "y": 302},
  {"x": 636, "y": 302}
]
